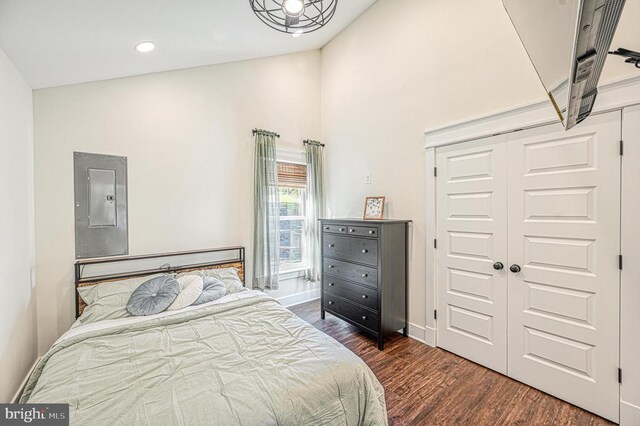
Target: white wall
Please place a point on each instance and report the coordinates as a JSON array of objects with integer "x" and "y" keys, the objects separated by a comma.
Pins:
[
  {"x": 18, "y": 333},
  {"x": 187, "y": 136},
  {"x": 629, "y": 289},
  {"x": 404, "y": 67}
]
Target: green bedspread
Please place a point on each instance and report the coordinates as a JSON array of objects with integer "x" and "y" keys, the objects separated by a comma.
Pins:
[{"x": 246, "y": 362}]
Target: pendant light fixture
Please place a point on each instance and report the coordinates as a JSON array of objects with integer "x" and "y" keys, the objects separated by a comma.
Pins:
[{"x": 294, "y": 17}]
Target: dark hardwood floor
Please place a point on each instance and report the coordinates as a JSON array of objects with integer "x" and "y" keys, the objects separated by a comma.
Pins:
[{"x": 430, "y": 386}]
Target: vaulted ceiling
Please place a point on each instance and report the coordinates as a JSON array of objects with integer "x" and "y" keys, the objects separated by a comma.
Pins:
[{"x": 54, "y": 43}]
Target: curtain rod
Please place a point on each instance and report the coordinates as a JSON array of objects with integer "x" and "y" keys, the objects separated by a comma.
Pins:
[
  {"x": 265, "y": 132},
  {"x": 310, "y": 142}
]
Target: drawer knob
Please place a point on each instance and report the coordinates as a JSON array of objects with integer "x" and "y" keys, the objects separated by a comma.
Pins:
[
  {"x": 326, "y": 228},
  {"x": 331, "y": 245},
  {"x": 341, "y": 229},
  {"x": 331, "y": 266},
  {"x": 332, "y": 284},
  {"x": 352, "y": 230},
  {"x": 365, "y": 251},
  {"x": 365, "y": 275},
  {"x": 330, "y": 302},
  {"x": 364, "y": 296},
  {"x": 364, "y": 317},
  {"x": 371, "y": 232}
]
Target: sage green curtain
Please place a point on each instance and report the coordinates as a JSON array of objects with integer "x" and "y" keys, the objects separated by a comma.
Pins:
[
  {"x": 314, "y": 208},
  {"x": 266, "y": 230}
]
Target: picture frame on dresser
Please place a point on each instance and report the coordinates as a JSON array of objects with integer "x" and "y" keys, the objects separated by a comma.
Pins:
[
  {"x": 373, "y": 208},
  {"x": 364, "y": 274}
]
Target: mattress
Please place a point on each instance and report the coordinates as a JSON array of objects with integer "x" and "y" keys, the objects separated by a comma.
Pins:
[{"x": 243, "y": 359}]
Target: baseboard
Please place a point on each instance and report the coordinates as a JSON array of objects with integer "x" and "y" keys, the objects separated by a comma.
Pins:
[
  {"x": 426, "y": 335},
  {"x": 298, "y": 298},
  {"x": 15, "y": 398},
  {"x": 430, "y": 336},
  {"x": 629, "y": 414},
  {"x": 416, "y": 332}
]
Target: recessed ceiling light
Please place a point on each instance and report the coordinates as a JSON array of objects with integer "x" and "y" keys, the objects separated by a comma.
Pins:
[
  {"x": 298, "y": 33},
  {"x": 145, "y": 46}
]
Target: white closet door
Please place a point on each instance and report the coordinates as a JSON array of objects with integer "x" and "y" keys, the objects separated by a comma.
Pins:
[
  {"x": 472, "y": 237},
  {"x": 564, "y": 234}
]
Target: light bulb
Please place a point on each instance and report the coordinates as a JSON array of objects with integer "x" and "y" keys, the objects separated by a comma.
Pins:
[{"x": 293, "y": 7}]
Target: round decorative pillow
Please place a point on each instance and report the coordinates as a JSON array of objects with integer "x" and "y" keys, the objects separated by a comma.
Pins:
[
  {"x": 213, "y": 289},
  {"x": 190, "y": 289},
  {"x": 153, "y": 296}
]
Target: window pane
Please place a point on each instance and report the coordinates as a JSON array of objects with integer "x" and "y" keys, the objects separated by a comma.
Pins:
[
  {"x": 290, "y": 201},
  {"x": 291, "y": 234},
  {"x": 291, "y": 226}
]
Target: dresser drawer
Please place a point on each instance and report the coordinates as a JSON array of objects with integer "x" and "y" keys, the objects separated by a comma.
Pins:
[
  {"x": 334, "y": 229},
  {"x": 362, "y": 295},
  {"x": 355, "y": 313},
  {"x": 361, "y": 250},
  {"x": 349, "y": 271},
  {"x": 363, "y": 231}
]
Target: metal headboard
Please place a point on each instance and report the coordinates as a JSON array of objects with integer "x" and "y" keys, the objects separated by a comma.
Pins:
[{"x": 235, "y": 260}]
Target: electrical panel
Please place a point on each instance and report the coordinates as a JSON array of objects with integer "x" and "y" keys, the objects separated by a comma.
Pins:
[{"x": 100, "y": 205}]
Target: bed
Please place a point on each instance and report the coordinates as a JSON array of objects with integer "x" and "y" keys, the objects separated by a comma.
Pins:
[{"x": 242, "y": 359}]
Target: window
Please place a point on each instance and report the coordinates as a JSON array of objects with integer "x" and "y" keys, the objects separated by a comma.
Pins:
[{"x": 292, "y": 182}]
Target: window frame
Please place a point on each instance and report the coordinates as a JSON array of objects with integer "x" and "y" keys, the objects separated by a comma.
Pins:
[{"x": 294, "y": 157}]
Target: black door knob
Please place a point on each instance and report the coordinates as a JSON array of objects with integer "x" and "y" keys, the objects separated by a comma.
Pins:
[
  {"x": 514, "y": 268},
  {"x": 498, "y": 266}
]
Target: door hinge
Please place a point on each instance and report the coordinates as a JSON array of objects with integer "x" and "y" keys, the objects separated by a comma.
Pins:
[
  {"x": 435, "y": 243},
  {"x": 620, "y": 262},
  {"x": 621, "y": 147},
  {"x": 620, "y": 375},
  {"x": 435, "y": 172},
  {"x": 435, "y": 314}
]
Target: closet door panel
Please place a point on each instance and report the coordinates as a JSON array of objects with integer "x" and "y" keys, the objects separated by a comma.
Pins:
[
  {"x": 471, "y": 222},
  {"x": 564, "y": 222}
]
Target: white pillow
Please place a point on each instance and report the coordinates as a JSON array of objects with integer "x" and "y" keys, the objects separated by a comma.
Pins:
[
  {"x": 190, "y": 289},
  {"x": 229, "y": 276}
]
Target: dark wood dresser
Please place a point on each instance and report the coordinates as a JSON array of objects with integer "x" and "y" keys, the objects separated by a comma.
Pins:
[{"x": 364, "y": 279}]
